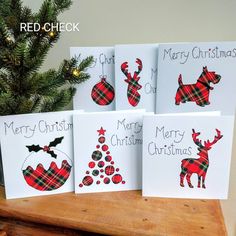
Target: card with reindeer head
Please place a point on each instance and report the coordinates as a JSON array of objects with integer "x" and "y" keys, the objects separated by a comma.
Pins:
[
  {"x": 37, "y": 153},
  {"x": 196, "y": 77},
  {"x": 135, "y": 76},
  {"x": 187, "y": 156},
  {"x": 97, "y": 93}
]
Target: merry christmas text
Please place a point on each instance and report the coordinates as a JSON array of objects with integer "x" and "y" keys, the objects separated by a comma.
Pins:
[
  {"x": 42, "y": 126},
  {"x": 182, "y": 56},
  {"x": 135, "y": 127},
  {"x": 173, "y": 137}
]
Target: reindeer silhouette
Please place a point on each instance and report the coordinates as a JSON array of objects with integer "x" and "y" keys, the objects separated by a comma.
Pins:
[
  {"x": 133, "y": 85},
  {"x": 199, "y": 165}
]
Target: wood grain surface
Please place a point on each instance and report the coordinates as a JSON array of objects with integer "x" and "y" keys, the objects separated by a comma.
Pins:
[{"x": 119, "y": 213}]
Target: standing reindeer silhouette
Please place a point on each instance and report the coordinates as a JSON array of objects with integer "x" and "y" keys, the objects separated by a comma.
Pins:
[
  {"x": 198, "y": 165},
  {"x": 133, "y": 85}
]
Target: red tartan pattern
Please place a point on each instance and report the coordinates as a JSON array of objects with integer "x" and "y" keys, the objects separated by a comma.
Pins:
[
  {"x": 47, "y": 180},
  {"x": 133, "y": 85},
  {"x": 103, "y": 93},
  {"x": 200, "y": 165},
  {"x": 198, "y": 92},
  {"x": 109, "y": 170}
]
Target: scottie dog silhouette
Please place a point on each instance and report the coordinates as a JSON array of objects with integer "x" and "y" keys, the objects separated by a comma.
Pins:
[{"x": 198, "y": 92}]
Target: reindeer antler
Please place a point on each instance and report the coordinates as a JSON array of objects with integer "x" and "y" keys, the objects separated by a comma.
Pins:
[
  {"x": 217, "y": 137},
  {"x": 140, "y": 65},
  {"x": 197, "y": 141},
  {"x": 124, "y": 68}
]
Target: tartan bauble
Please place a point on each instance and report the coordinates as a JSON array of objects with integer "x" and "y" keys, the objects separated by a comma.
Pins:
[
  {"x": 50, "y": 175},
  {"x": 103, "y": 93}
]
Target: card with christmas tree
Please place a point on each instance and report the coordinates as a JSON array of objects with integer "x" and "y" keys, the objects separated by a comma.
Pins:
[
  {"x": 196, "y": 77},
  {"x": 187, "y": 156},
  {"x": 97, "y": 93},
  {"x": 108, "y": 151},
  {"x": 136, "y": 74},
  {"x": 37, "y": 153}
]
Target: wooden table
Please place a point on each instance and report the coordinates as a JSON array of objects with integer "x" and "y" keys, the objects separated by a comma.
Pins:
[{"x": 117, "y": 213}]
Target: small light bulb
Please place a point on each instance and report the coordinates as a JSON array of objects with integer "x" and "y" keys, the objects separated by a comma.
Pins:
[
  {"x": 75, "y": 72},
  {"x": 51, "y": 34}
]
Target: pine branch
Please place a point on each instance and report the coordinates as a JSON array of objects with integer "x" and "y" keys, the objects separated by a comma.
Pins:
[
  {"x": 22, "y": 88},
  {"x": 61, "y": 100},
  {"x": 81, "y": 78},
  {"x": 85, "y": 63}
]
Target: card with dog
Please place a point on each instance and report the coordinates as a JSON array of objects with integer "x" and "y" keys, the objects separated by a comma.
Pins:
[
  {"x": 37, "y": 153},
  {"x": 187, "y": 156},
  {"x": 97, "y": 93},
  {"x": 108, "y": 151},
  {"x": 136, "y": 74},
  {"x": 196, "y": 77}
]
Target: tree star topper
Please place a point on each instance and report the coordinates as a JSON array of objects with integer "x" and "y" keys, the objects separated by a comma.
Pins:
[{"x": 101, "y": 131}]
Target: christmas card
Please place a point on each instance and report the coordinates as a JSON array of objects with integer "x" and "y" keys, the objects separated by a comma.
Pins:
[
  {"x": 37, "y": 153},
  {"x": 108, "y": 151},
  {"x": 97, "y": 93},
  {"x": 196, "y": 77},
  {"x": 136, "y": 74},
  {"x": 187, "y": 156}
]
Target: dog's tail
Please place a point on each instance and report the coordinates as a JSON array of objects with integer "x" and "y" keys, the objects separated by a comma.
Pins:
[{"x": 180, "y": 80}]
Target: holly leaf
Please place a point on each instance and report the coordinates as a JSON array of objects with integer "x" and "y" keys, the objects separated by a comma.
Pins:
[
  {"x": 34, "y": 148},
  {"x": 55, "y": 142},
  {"x": 52, "y": 154}
]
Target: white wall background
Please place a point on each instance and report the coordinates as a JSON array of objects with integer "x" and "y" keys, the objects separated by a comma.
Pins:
[{"x": 106, "y": 22}]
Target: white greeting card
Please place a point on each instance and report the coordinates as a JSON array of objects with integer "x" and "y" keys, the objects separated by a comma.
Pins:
[
  {"x": 37, "y": 153},
  {"x": 108, "y": 151},
  {"x": 97, "y": 93},
  {"x": 195, "y": 77},
  {"x": 135, "y": 76},
  {"x": 187, "y": 156}
]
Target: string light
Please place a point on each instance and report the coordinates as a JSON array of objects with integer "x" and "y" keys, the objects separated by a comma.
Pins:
[
  {"x": 51, "y": 34},
  {"x": 75, "y": 72}
]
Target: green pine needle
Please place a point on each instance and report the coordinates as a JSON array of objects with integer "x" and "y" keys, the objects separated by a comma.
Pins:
[{"x": 22, "y": 88}]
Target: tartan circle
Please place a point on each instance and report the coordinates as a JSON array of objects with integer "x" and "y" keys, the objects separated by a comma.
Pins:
[
  {"x": 109, "y": 170},
  {"x": 97, "y": 155},
  {"x": 117, "y": 178},
  {"x": 106, "y": 180},
  {"x": 101, "y": 164},
  {"x": 101, "y": 139},
  {"x": 87, "y": 180},
  {"x": 108, "y": 158},
  {"x": 95, "y": 172}
]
